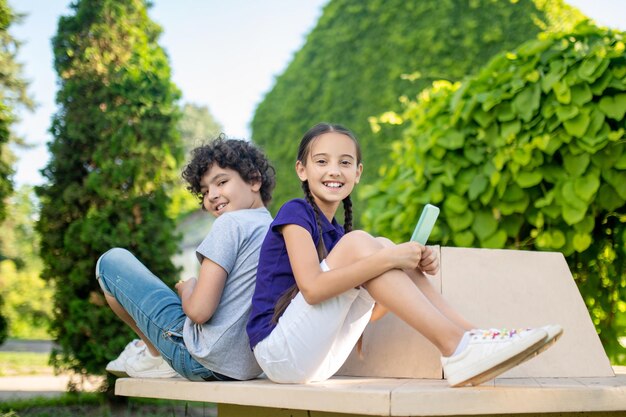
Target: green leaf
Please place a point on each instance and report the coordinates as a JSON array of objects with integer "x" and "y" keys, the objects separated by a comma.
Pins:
[
  {"x": 586, "y": 186},
  {"x": 573, "y": 215},
  {"x": 608, "y": 198},
  {"x": 566, "y": 112},
  {"x": 581, "y": 242},
  {"x": 581, "y": 94},
  {"x": 577, "y": 126},
  {"x": 452, "y": 139},
  {"x": 614, "y": 107},
  {"x": 463, "y": 239},
  {"x": 508, "y": 129},
  {"x": 526, "y": 102},
  {"x": 528, "y": 179},
  {"x": 484, "y": 224},
  {"x": 455, "y": 204},
  {"x": 617, "y": 180},
  {"x": 576, "y": 165},
  {"x": 495, "y": 241},
  {"x": 477, "y": 186},
  {"x": 562, "y": 92},
  {"x": 458, "y": 222},
  {"x": 546, "y": 200}
]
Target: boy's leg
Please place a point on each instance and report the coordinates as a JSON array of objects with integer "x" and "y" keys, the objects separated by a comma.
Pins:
[{"x": 153, "y": 307}]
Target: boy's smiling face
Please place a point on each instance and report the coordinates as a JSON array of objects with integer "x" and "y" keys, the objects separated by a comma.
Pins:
[{"x": 224, "y": 190}]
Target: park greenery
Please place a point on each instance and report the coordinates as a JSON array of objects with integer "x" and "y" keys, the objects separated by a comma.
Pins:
[
  {"x": 529, "y": 153},
  {"x": 113, "y": 163},
  {"x": 363, "y": 55},
  {"x": 13, "y": 94},
  {"x": 524, "y": 152}
]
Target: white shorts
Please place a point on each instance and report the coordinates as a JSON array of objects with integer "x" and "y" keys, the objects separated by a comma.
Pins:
[{"x": 311, "y": 342}]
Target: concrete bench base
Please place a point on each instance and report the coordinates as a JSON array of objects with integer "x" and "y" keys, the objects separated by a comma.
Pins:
[{"x": 349, "y": 396}]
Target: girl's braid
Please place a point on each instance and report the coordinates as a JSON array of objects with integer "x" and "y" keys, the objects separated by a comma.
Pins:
[
  {"x": 322, "y": 252},
  {"x": 347, "y": 213}
]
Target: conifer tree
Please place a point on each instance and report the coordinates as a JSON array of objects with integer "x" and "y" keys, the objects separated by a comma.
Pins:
[{"x": 113, "y": 160}]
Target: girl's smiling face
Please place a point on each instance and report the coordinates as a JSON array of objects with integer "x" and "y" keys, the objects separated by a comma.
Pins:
[
  {"x": 223, "y": 190},
  {"x": 332, "y": 170}
]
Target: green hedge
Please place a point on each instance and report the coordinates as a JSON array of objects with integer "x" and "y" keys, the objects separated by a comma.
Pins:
[
  {"x": 364, "y": 54},
  {"x": 529, "y": 153}
]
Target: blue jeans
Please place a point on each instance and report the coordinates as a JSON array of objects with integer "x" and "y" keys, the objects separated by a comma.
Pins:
[{"x": 156, "y": 309}]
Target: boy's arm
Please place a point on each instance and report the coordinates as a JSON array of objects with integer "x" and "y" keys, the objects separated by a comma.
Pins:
[{"x": 201, "y": 297}]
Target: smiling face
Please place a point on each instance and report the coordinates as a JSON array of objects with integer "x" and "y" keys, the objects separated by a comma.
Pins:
[
  {"x": 223, "y": 190},
  {"x": 332, "y": 170}
]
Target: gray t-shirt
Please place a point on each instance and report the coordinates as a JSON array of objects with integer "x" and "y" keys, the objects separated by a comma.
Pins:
[{"x": 221, "y": 344}]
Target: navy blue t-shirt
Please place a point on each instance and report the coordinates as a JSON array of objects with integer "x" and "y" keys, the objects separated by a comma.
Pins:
[{"x": 274, "y": 275}]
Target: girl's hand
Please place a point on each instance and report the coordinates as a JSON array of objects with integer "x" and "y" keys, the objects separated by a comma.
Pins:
[
  {"x": 406, "y": 255},
  {"x": 429, "y": 263},
  {"x": 181, "y": 285}
]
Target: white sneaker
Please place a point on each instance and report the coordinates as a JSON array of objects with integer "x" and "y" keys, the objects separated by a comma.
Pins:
[
  {"x": 117, "y": 366},
  {"x": 145, "y": 365},
  {"x": 554, "y": 332},
  {"x": 490, "y": 353}
]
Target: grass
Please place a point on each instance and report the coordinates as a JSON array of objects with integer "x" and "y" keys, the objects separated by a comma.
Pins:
[
  {"x": 87, "y": 404},
  {"x": 97, "y": 405},
  {"x": 24, "y": 363}
]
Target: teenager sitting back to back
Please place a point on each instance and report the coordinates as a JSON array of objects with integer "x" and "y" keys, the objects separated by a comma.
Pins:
[
  {"x": 200, "y": 332},
  {"x": 319, "y": 284}
]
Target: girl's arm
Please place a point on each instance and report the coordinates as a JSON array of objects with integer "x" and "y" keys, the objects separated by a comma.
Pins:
[
  {"x": 201, "y": 297},
  {"x": 317, "y": 286}
]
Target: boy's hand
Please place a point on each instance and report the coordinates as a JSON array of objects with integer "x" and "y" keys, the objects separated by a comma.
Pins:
[
  {"x": 429, "y": 263},
  {"x": 181, "y": 286}
]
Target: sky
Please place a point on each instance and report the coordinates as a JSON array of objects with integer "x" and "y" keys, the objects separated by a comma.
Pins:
[{"x": 224, "y": 54}]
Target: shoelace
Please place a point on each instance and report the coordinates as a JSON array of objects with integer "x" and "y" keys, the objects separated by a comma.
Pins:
[{"x": 495, "y": 333}]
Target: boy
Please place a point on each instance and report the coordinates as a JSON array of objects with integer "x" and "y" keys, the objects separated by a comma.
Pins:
[{"x": 201, "y": 333}]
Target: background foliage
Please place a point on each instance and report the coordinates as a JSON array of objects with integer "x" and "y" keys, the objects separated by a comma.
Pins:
[
  {"x": 529, "y": 153},
  {"x": 114, "y": 155},
  {"x": 28, "y": 298},
  {"x": 355, "y": 62},
  {"x": 196, "y": 126},
  {"x": 12, "y": 95}
]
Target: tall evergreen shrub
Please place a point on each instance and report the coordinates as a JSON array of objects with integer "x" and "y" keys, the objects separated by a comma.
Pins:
[
  {"x": 530, "y": 153},
  {"x": 364, "y": 54},
  {"x": 112, "y": 164}
]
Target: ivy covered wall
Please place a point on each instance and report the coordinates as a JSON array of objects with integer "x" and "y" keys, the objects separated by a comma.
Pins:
[{"x": 364, "y": 54}]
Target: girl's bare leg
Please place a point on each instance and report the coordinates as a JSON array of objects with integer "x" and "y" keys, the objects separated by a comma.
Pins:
[
  {"x": 396, "y": 291},
  {"x": 126, "y": 318},
  {"x": 434, "y": 296}
]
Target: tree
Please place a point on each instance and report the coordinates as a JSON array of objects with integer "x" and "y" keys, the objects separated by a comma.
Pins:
[
  {"x": 12, "y": 94},
  {"x": 529, "y": 153},
  {"x": 363, "y": 55},
  {"x": 113, "y": 162}
]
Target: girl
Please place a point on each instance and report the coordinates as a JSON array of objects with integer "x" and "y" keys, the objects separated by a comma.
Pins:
[
  {"x": 318, "y": 287},
  {"x": 200, "y": 333}
]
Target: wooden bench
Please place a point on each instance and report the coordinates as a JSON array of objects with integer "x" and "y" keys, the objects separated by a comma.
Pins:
[{"x": 399, "y": 373}]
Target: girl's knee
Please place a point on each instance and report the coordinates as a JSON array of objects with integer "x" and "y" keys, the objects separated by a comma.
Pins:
[{"x": 355, "y": 245}]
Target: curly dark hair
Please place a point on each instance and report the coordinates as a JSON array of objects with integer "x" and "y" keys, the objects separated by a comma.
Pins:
[{"x": 239, "y": 155}]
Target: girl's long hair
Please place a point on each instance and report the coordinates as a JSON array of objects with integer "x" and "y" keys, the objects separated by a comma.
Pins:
[{"x": 322, "y": 252}]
